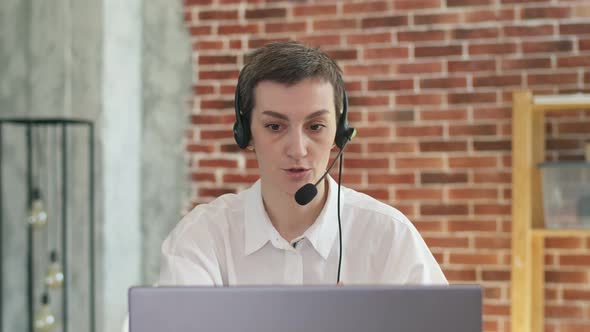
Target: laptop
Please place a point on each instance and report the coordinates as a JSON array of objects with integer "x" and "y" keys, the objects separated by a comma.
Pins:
[{"x": 306, "y": 308}]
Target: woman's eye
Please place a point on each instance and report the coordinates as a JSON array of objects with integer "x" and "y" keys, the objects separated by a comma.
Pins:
[
  {"x": 316, "y": 127},
  {"x": 273, "y": 126}
]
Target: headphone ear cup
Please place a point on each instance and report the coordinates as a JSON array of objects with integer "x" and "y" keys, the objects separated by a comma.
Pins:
[
  {"x": 239, "y": 135},
  {"x": 241, "y": 126}
]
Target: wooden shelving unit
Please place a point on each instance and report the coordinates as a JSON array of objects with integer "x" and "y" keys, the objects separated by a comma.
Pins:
[{"x": 528, "y": 232}]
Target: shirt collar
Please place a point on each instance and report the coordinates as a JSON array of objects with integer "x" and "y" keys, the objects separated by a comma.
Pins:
[{"x": 259, "y": 229}]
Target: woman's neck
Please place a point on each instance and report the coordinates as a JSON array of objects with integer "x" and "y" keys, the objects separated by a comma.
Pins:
[{"x": 290, "y": 219}]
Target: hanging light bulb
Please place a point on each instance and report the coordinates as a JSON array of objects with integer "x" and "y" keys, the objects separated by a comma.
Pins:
[
  {"x": 55, "y": 277},
  {"x": 38, "y": 216},
  {"x": 44, "y": 319}
]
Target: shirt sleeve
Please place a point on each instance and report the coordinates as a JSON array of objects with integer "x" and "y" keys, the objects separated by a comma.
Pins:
[
  {"x": 409, "y": 259},
  {"x": 188, "y": 258}
]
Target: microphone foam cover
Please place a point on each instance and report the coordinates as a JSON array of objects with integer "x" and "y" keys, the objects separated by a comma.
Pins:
[{"x": 305, "y": 194}]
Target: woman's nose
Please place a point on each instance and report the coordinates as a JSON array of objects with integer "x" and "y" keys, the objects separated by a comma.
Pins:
[{"x": 297, "y": 144}]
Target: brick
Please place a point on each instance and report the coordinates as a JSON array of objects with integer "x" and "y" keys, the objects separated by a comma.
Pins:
[
  {"x": 442, "y": 178},
  {"x": 487, "y": 15},
  {"x": 259, "y": 42},
  {"x": 417, "y": 4},
  {"x": 447, "y": 242},
  {"x": 199, "y": 148},
  {"x": 218, "y": 15},
  {"x": 474, "y": 33},
  {"x": 384, "y": 22},
  {"x": 218, "y": 162},
  {"x": 574, "y": 128},
  {"x": 342, "y": 54},
  {"x": 522, "y": 1},
  {"x": 214, "y": 192},
  {"x": 436, "y": 51},
  {"x": 216, "y": 134},
  {"x": 285, "y": 27},
  {"x": 492, "y": 177},
  {"x": 204, "y": 119},
  {"x": 418, "y": 162},
  {"x": 443, "y": 83},
  {"x": 427, "y": 226},
  {"x": 416, "y": 99},
  {"x": 473, "y": 259},
  {"x": 335, "y": 24},
  {"x": 471, "y": 98},
  {"x": 563, "y": 311},
  {"x": 451, "y": 114},
  {"x": 545, "y": 79},
  {"x": 314, "y": 10},
  {"x": 575, "y": 260},
  {"x": 218, "y": 74},
  {"x": 392, "y": 116},
  {"x": 472, "y": 130},
  {"x": 493, "y": 209},
  {"x": 203, "y": 89},
  {"x": 365, "y": 7},
  {"x": 391, "y": 147},
  {"x": 495, "y": 275},
  {"x": 567, "y": 326},
  {"x": 434, "y": 19},
  {"x": 471, "y": 65},
  {"x": 576, "y": 294},
  {"x": 197, "y": 2},
  {"x": 562, "y": 144},
  {"x": 266, "y": 13},
  {"x": 418, "y": 194},
  {"x": 368, "y": 101},
  {"x": 366, "y": 70},
  {"x": 492, "y": 48},
  {"x": 528, "y": 30},
  {"x": 472, "y": 162},
  {"x": 231, "y": 148},
  {"x": 369, "y": 38},
  {"x": 460, "y": 275},
  {"x": 321, "y": 40},
  {"x": 584, "y": 44},
  {"x": 414, "y": 36},
  {"x": 366, "y": 163},
  {"x": 217, "y": 104},
  {"x": 492, "y": 293},
  {"x": 547, "y": 46},
  {"x": 419, "y": 131},
  {"x": 472, "y": 226},
  {"x": 420, "y": 67},
  {"x": 386, "y": 53},
  {"x": 492, "y": 242},
  {"x": 443, "y": 209},
  {"x": 208, "y": 45},
  {"x": 381, "y": 194},
  {"x": 240, "y": 178},
  {"x": 202, "y": 177},
  {"x": 574, "y": 61},
  {"x": 529, "y": 13},
  {"x": 472, "y": 193},
  {"x": 203, "y": 30},
  {"x": 492, "y": 113},
  {"x": 497, "y": 81},
  {"x": 381, "y": 178},
  {"x": 217, "y": 59},
  {"x": 526, "y": 63},
  {"x": 390, "y": 84},
  {"x": 496, "y": 309},
  {"x": 236, "y": 29},
  {"x": 373, "y": 131},
  {"x": 235, "y": 44},
  {"x": 462, "y": 3},
  {"x": 443, "y": 146},
  {"x": 496, "y": 145}
]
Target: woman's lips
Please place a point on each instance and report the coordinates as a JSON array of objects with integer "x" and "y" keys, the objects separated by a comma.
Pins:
[{"x": 297, "y": 173}]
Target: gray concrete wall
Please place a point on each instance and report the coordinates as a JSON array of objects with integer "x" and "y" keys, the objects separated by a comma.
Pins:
[{"x": 67, "y": 59}]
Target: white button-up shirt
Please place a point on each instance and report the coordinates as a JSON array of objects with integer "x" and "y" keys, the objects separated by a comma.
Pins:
[{"x": 231, "y": 241}]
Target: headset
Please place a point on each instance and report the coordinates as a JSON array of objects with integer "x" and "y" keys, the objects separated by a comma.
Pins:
[{"x": 344, "y": 132}]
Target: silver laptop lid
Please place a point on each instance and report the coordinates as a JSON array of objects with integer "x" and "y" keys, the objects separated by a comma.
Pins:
[{"x": 307, "y": 308}]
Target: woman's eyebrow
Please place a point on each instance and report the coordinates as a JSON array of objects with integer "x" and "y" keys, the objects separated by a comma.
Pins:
[{"x": 284, "y": 117}]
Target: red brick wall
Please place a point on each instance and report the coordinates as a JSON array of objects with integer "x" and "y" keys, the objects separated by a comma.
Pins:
[{"x": 429, "y": 85}]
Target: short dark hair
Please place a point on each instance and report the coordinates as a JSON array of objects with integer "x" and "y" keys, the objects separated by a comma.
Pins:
[{"x": 288, "y": 63}]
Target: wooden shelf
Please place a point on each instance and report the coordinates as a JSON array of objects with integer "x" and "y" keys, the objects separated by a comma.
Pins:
[
  {"x": 560, "y": 232},
  {"x": 528, "y": 232}
]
